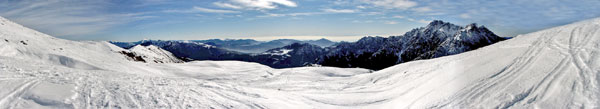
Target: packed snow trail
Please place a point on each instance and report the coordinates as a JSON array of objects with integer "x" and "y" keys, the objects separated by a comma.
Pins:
[{"x": 553, "y": 68}]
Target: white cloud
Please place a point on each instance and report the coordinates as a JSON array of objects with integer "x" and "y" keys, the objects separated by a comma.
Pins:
[
  {"x": 392, "y": 4},
  {"x": 324, "y": 11},
  {"x": 423, "y": 21},
  {"x": 304, "y": 14},
  {"x": 340, "y": 2},
  {"x": 465, "y": 16},
  {"x": 361, "y": 7},
  {"x": 67, "y": 18},
  {"x": 391, "y": 22},
  {"x": 371, "y": 13},
  {"x": 411, "y": 19},
  {"x": 273, "y": 15},
  {"x": 422, "y": 9},
  {"x": 359, "y": 21},
  {"x": 433, "y": 13},
  {"x": 227, "y": 5},
  {"x": 255, "y": 4},
  {"x": 399, "y": 17},
  {"x": 200, "y": 9},
  {"x": 291, "y": 14},
  {"x": 339, "y": 10},
  {"x": 197, "y": 9}
]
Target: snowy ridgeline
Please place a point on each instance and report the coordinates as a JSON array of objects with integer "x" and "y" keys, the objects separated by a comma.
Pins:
[
  {"x": 150, "y": 53},
  {"x": 553, "y": 68},
  {"x": 437, "y": 39}
]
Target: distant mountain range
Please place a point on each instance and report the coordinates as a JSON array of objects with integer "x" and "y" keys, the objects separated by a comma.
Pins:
[
  {"x": 244, "y": 45},
  {"x": 292, "y": 55},
  {"x": 435, "y": 40}
]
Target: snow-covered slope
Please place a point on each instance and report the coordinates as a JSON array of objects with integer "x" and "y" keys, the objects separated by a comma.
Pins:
[
  {"x": 40, "y": 71},
  {"x": 154, "y": 54},
  {"x": 23, "y": 43},
  {"x": 553, "y": 68}
]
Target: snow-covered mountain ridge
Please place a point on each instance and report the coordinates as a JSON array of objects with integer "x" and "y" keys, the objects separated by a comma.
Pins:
[
  {"x": 153, "y": 54},
  {"x": 240, "y": 45},
  {"x": 552, "y": 68},
  {"x": 24, "y": 43},
  {"x": 437, "y": 39}
]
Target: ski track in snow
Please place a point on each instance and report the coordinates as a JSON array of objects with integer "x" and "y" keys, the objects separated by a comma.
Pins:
[
  {"x": 553, "y": 68},
  {"x": 17, "y": 92}
]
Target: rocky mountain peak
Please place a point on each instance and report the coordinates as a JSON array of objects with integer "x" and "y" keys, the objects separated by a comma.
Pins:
[{"x": 437, "y": 22}]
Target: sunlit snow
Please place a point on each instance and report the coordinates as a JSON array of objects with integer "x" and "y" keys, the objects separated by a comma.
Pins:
[{"x": 553, "y": 68}]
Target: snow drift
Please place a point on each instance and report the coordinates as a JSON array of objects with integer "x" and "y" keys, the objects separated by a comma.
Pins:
[{"x": 553, "y": 68}]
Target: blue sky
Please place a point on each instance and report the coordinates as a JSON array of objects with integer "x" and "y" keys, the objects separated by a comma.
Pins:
[{"x": 348, "y": 20}]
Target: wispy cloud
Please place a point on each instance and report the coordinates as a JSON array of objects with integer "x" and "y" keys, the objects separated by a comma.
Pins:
[
  {"x": 273, "y": 15},
  {"x": 422, "y": 9},
  {"x": 370, "y": 13},
  {"x": 207, "y": 10},
  {"x": 323, "y": 11},
  {"x": 465, "y": 16},
  {"x": 517, "y": 12},
  {"x": 255, "y": 4},
  {"x": 411, "y": 19},
  {"x": 419, "y": 21},
  {"x": 66, "y": 18},
  {"x": 359, "y": 21},
  {"x": 392, "y": 4},
  {"x": 423, "y": 21},
  {"x": 398, "y": 16},
  {"x": 291, "y": 14},
  {"x": 99, "y": 18},
  {"x": 227, "y": 5},
  {"x": 329, "y": 10},
  {"x": 197, "y": 9},
  {"x": 391, "y": 22}
]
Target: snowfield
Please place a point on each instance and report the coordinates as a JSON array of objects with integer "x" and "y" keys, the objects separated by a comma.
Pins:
[{"x": 553, "y": 68}]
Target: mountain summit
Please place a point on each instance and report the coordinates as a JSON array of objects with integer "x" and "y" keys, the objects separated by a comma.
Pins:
[{"x": 436, "y": 39}]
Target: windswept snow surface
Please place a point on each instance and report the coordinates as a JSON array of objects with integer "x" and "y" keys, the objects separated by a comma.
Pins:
[{"x": 553, "y": 68}]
